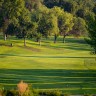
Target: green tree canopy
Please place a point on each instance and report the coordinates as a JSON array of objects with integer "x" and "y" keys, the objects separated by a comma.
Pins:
[
  {"x": 92, "y": 34},
  {"x": 79, "y": 28},
  {"x": 9, "y": 12}
]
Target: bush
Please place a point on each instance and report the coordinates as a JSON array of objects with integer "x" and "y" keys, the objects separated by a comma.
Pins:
[
  {"x": 1, "y": 90},
  {"x": 51, "y": 93}
]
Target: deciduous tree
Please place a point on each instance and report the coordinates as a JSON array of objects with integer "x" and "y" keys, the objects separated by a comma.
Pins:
[
  {"x": 92, "y": 34},
  {"x": 9, "y": 12},
  {"x": 79, "y": 28},
  {"x": 65, "y": 24}
]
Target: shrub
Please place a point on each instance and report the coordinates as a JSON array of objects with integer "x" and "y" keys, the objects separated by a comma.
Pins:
[
  {"x": 26, "y": 90},
  {"x": 1, "y": 90},
  {"x": 51, "y": 93}
]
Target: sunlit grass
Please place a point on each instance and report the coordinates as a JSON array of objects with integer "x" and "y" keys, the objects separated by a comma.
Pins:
[
  {"x": 49, "y": 66},
  {"x": 47, "y": 56}
]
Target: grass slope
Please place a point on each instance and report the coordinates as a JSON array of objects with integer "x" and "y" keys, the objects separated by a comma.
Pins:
[{"x": 68, "y": 67}]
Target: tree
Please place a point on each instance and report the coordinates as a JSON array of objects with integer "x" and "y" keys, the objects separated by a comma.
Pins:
[
  {"x": 1, "y": 19},
  {"x": 67, "y": 5},
  {"x": 33, "y": 33},
  {"x": 48, "y": 24},
  {"x": 64, "y": 20},
  {"x": 25, "y": 24},
  {"x": 9, "y": 12},
  {"x": 32, "y": 4},
  {"x": 12, "y": 29},
  {"x": 38, "y": 36},
  {"x": 1, "y": 1},
  {"x": 94, "y": 9},
  {"x": 70, "y": 6},
  {"x": 65, "y": 24},
  {"x": 92, "y": 34},
  {"x": 51, "y": 3},
  {"x": 56, "y": 11},
  {"x": 36, "y": 16},
  {"x": 55, "y": 30},
  {"x": 78, "y": 8},
  {"x": 79, "y": 28},
  {"x": 81, "y": 13}
]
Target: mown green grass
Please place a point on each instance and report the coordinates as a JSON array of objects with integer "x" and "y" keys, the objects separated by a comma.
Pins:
[
  {"x": 68, "y": 81},
  {"x": 70, "y": 55},
  {"x": 68, "y": 67}
]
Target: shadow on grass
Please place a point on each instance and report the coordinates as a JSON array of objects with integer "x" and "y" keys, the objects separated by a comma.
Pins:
[
  {"x": 67, "y": 40},
  {"x": 65, "y": 80},
  {"x": 71, "y": 43},
  {"x": 31, "y": 56}
]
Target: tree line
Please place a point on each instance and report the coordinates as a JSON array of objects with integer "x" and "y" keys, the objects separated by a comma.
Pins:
[
  {"x": 44, "y": 18},
  {"x": 85, "y": 9}
]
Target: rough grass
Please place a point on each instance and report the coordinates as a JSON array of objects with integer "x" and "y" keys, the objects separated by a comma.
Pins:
[{"x": 68, "y": 67}]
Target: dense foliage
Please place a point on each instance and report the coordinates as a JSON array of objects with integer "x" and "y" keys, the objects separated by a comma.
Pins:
[{"x": 43, "y": 18}]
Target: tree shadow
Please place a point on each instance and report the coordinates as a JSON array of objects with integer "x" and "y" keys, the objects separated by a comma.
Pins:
[
  {"x": 71, "y": 43},
  {"x": 45, "y": 56},
  {"x": 83, "y": 80}
]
